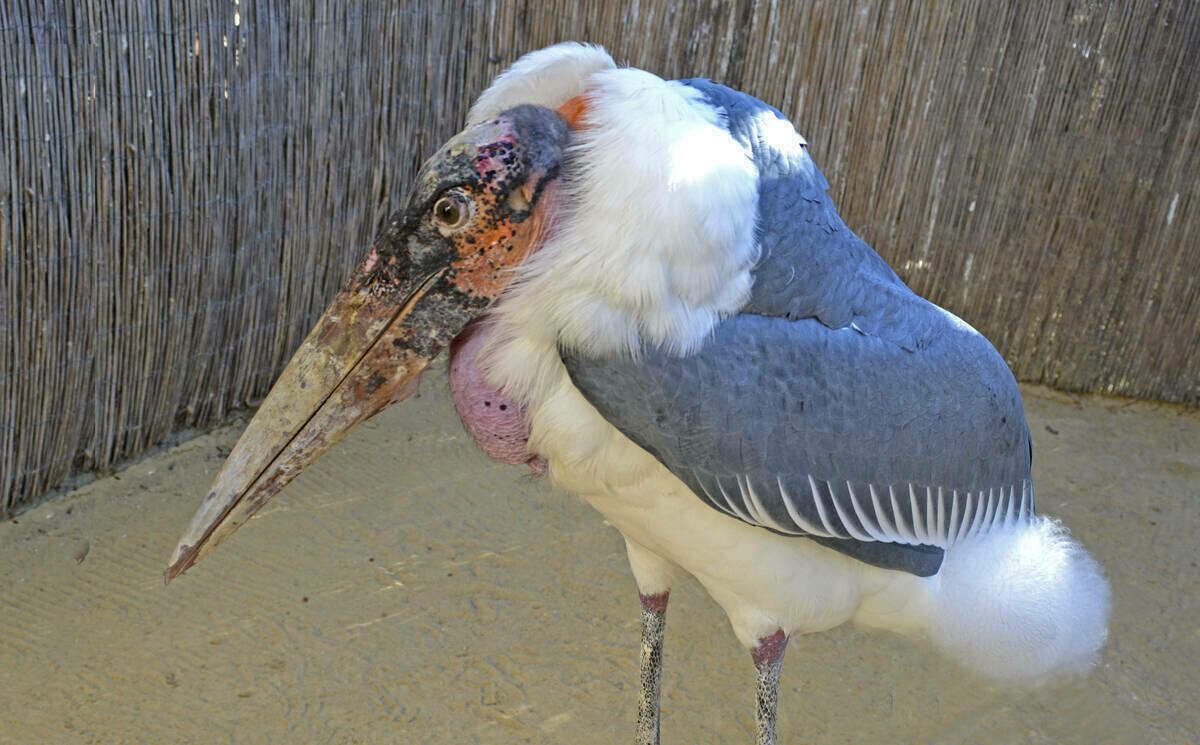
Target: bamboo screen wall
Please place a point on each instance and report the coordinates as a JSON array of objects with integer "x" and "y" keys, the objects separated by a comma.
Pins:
[{"x": 184, "y": 184}]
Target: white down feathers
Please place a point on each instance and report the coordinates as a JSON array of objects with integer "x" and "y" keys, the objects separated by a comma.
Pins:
[
  {"x": 658, "y": 239},
  {"x": 655, "y": 238}
]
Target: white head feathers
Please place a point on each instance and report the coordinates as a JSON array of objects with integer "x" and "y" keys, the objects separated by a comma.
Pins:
[{"x": 548, "y": 77}]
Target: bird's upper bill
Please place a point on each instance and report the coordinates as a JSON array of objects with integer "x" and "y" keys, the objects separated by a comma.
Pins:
[{"x": 481, "y": 205}]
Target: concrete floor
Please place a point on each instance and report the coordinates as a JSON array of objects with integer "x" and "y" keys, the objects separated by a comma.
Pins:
[{"x": 407, "y": 590}]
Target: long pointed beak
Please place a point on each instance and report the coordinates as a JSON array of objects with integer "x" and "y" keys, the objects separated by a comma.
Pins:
[
  {"x": 366, "y": 352},
  {"x": 480, "y": 207}
]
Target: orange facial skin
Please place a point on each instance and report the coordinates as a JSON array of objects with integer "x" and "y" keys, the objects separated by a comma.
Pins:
[
  {"x": 574, "y": 110},
  {"x": 507, "y": 223}
]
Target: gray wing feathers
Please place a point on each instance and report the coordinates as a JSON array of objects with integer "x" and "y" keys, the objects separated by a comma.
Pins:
[
  {"x": 912, "y": 515},
  {"x": 805, "y": 430}
]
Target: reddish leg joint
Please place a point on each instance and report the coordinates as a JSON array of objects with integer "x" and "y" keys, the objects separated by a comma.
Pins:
[
  {"x": 770, "y": 649},
  {"x": 656, "y": 603}
]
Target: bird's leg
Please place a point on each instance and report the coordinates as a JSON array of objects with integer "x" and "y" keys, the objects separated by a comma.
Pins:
[
  {"x": 654, "y": 623},
  {"x": 768, "y": 661}
]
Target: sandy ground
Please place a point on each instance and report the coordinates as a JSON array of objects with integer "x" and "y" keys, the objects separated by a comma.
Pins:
[{"x": 407, "y": 590}]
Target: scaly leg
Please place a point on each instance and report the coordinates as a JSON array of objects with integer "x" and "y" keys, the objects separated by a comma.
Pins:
[
  {"x": 654, "y": 623},
  {"x": 768, "y": 661}
]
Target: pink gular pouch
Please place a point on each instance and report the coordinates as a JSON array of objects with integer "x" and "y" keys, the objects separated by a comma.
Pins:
[{"x": 497, "y": 423}]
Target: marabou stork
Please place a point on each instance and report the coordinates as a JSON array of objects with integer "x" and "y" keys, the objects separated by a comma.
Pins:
[{"x": 698, "y": 345}]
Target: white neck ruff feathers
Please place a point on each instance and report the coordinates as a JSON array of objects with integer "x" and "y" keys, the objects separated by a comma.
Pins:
[{"x": 655, "y": 238}]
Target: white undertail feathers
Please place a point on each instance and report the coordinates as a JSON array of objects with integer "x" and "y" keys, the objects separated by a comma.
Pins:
[{"x": 1020, "y": 604}]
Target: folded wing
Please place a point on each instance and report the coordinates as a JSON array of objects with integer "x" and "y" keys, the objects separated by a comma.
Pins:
[{"x": 838, "y": 405}]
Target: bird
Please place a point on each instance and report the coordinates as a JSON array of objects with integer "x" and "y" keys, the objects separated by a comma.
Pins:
[{"x": 650, "y": 280}]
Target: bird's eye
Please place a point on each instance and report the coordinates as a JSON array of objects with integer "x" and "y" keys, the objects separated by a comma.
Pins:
[{"x": 452, "y": 211}]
